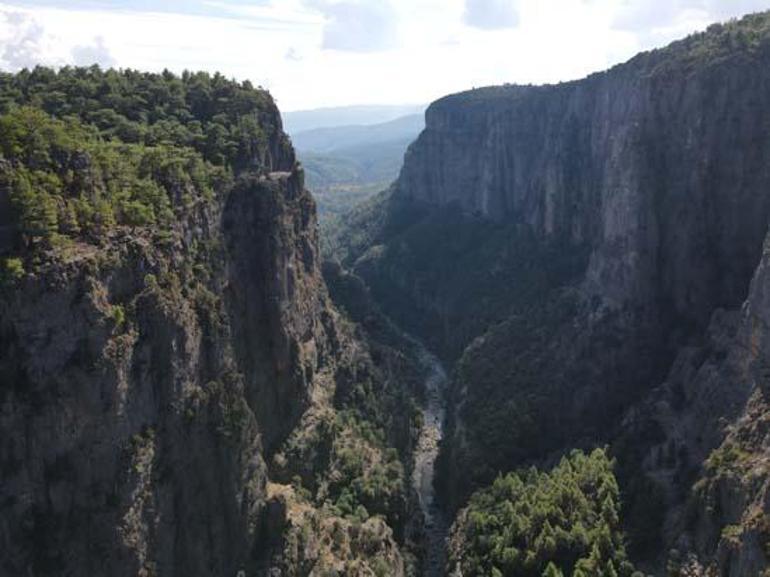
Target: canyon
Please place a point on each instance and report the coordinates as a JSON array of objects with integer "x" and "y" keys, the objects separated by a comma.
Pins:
[
  {"x": 582, "y": 255},
  {"x": 542, "y": 350}
]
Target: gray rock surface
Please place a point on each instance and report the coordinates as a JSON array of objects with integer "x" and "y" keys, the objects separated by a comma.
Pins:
[{"x": 145, "y": 383}]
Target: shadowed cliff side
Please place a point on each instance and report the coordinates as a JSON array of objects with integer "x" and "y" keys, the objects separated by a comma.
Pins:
[{"x": 707, "y": 470}]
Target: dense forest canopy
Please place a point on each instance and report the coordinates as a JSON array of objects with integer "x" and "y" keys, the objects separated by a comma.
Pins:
[
  {"x": 83, "y": 151},
  {"x": 533, "y": 523},
  {"x": 225, "y": 121}
]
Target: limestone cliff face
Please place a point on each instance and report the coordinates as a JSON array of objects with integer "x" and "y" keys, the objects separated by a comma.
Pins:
[
  {"x": 572, "y": 247},
  {"x": 656, "y": 164},
  {"x": 144, "y": 383}
]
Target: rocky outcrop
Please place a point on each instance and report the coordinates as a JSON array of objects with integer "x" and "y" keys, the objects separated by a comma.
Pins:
[
  {"x": 311, "y": 542},
  {"x": 279, "y": 308}
]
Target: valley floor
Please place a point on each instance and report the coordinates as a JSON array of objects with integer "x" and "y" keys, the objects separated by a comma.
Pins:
[{"x": 433, "y": 412}]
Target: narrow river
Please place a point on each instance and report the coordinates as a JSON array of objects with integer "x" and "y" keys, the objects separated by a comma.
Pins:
[{"x": 433, "y": 410}]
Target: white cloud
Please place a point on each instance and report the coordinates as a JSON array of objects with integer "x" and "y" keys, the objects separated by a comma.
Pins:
[
  {"x": 491, "y": 14},
  {"x": 292, "y": 54},
  {"x": 27, "y": 43},
  {"x": 647, "y": 15},
  {"x": 722, "y": 9},
  {"x": 657, "y": 22},
  {"x": 96, "y": 53},
  {"x": 313, "y": 53},
  {"x": 24, "y": 41},
  {"x": 358, "y": 25}
]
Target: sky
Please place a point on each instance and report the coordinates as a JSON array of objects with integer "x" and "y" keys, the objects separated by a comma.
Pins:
[{"x": 319, "y": 53}]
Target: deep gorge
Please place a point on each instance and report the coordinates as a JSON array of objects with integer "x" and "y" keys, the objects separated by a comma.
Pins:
[
  {"x": 586, "y": 257},
  {"x": 190, "y": 386}
]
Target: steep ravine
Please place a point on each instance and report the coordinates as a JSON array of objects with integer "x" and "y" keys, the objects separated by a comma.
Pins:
[{"x": 435, "y": 517}]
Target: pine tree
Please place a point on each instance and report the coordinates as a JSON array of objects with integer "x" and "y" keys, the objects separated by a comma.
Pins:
[
  {"x": 610, "y": 511},
  {"x": 609, "y": 570},
  {"x": 552, "y": 570}
]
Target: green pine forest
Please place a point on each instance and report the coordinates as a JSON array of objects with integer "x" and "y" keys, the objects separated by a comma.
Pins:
[
  {"x": 84, "y": 151},
  {"x": 565, "y": 522}
]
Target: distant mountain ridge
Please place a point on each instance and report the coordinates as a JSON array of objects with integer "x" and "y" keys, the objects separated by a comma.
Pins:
[
  {"x": 336, "y": 138},
  {"x": 303, "y": 120},
  {"x": 347, "y": 164}
]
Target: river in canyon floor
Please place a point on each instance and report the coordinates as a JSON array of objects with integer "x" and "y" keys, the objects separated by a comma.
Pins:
[{"x": 436, "y": 527}]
